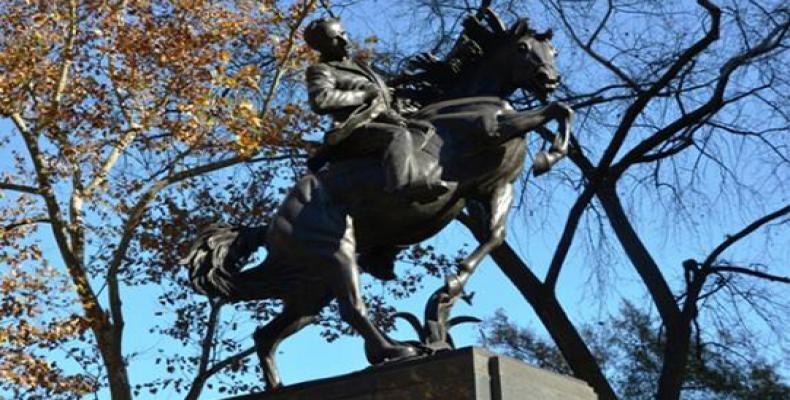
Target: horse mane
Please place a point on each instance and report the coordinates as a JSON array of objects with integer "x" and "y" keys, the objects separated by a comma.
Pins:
[{"x": 429, "y": 79}]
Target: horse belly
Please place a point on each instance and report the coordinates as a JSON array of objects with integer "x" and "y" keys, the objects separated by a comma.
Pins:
[{"x": 402, "y": 223}]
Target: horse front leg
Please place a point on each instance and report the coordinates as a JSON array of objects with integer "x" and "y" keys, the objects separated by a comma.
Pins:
[
  {"x": 517, "y": 123},
  {"x": 490, "y": 216}
]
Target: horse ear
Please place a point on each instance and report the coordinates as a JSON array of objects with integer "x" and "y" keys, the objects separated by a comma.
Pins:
[
  {"x": 519, "y": 28},
  {"x": 545, "y": 35}
]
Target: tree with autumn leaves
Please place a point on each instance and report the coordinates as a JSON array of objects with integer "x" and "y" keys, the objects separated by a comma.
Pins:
[{"x": 115, "y": 115}]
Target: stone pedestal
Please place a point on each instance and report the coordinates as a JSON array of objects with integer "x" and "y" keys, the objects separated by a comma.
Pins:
[{"x": 465, "y": 374}]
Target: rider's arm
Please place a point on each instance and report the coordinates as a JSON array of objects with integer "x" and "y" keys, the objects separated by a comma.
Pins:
[{"x": 324, "y": 95}]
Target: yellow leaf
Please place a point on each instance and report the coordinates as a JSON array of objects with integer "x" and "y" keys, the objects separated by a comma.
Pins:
[{"x": 246, "y": 105}]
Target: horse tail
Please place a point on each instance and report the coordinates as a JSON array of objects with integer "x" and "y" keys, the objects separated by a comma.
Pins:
[{"x": 217, "y": 256}]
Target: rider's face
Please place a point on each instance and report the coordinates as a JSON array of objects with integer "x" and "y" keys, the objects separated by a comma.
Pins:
[{"x": 336, "y": 46}]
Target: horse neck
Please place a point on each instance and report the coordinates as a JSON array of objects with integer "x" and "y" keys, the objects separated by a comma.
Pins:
[
  {"x": 490, "y": 77},
  {"x": 492, "y": 163}
]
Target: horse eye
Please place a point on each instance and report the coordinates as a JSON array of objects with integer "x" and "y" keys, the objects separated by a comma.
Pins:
[{"x": 523, "y": 47}]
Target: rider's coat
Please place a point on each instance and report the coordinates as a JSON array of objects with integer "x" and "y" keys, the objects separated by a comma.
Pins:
[{"x": 338, "y": 87}]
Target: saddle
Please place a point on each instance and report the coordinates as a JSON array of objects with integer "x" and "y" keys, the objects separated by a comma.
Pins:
[{"x": 422, "y": 132}]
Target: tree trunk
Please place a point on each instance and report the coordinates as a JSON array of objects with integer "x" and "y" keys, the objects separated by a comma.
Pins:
[
  {"x": 553, "y": 317},
  {"x": 677, "y": 324},
  {"x": 639, "y": 256},
  {"x": 673, "y": 370},
  {"x": 112, "y": 355},
  {"x": 196, "y": 388},
  {"x": 551, "y": 314}
]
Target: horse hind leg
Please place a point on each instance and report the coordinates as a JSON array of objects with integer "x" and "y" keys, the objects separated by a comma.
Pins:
[
  {"x": 378, "y": 348},
  {"x": 345, "y": 287},
  {"x": 296, "y": 314}
]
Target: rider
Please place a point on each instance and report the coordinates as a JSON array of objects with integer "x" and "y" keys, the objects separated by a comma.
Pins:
[{"x": 346, "y": 88}]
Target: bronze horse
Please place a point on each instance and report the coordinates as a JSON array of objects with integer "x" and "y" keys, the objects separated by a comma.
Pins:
[{"x": 331, "y": 217}]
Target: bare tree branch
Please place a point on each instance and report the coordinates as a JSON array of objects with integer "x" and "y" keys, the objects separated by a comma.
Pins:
[
  {"x": 24, "y": 222},
  {"x": 771, "y": 42},
  {"x": 59, "y": 229},
  {"x": 640, "y": 257},
  {"x": 19, "y": 188},
  {"x": 67, "y": 55},
  {"x": 229, "y": 361},
  {"x": 732, "y": 239},
  {"x": 133, "y": 221},
  {"x": 587, "y": 47},
  {"x": 564, "y": 245},
  {"x": 280, "y": 69},
  {"x": 636, "y": 108},
  {"x": 747, "y": 271},
  {"x": 205, "y": 352}
]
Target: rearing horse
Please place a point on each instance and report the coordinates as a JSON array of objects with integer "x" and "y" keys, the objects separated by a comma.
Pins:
[{"x": 329, "y": 218}]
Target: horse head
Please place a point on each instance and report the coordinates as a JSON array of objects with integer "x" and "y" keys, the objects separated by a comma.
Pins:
[
  {"x": 488, "y": 59},
  {"x": 531, "y": 57}
]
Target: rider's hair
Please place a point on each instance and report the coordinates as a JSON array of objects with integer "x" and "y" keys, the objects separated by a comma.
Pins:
[{"x": 315, "y": 32}]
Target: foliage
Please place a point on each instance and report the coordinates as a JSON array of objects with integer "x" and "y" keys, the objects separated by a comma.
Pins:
[
  {"x": 629, "y": 346},
  {"x": 120, "y": 112}
]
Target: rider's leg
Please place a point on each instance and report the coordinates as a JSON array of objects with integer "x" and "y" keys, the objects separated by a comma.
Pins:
[
  {"x": 403, "y": 173},
  {"x": 398, "y": 158}
]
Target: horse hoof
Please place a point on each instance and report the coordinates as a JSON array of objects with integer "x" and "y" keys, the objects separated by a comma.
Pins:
[
  {"x": 408, "y": 351},
  {"x": 541, "y": 164},
  {"x": 395, "y": 353},
  {"x": 273, "y": 388}
]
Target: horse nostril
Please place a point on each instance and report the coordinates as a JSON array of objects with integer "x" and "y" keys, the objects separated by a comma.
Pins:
[{"x": 543, "y": 77}]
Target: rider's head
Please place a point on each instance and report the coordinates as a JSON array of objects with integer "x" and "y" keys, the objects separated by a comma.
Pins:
[{"x": 327, "y": 36}]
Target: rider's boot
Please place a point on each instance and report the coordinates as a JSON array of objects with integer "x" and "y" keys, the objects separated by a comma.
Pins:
[{"x": 426, "y": 187}]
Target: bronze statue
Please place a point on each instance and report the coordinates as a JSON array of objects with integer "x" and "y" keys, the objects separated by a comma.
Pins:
[{"x": 341, "y": 218}]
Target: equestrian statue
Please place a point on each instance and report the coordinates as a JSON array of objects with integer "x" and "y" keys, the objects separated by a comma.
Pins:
[{"x": 401, "y": 161}]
